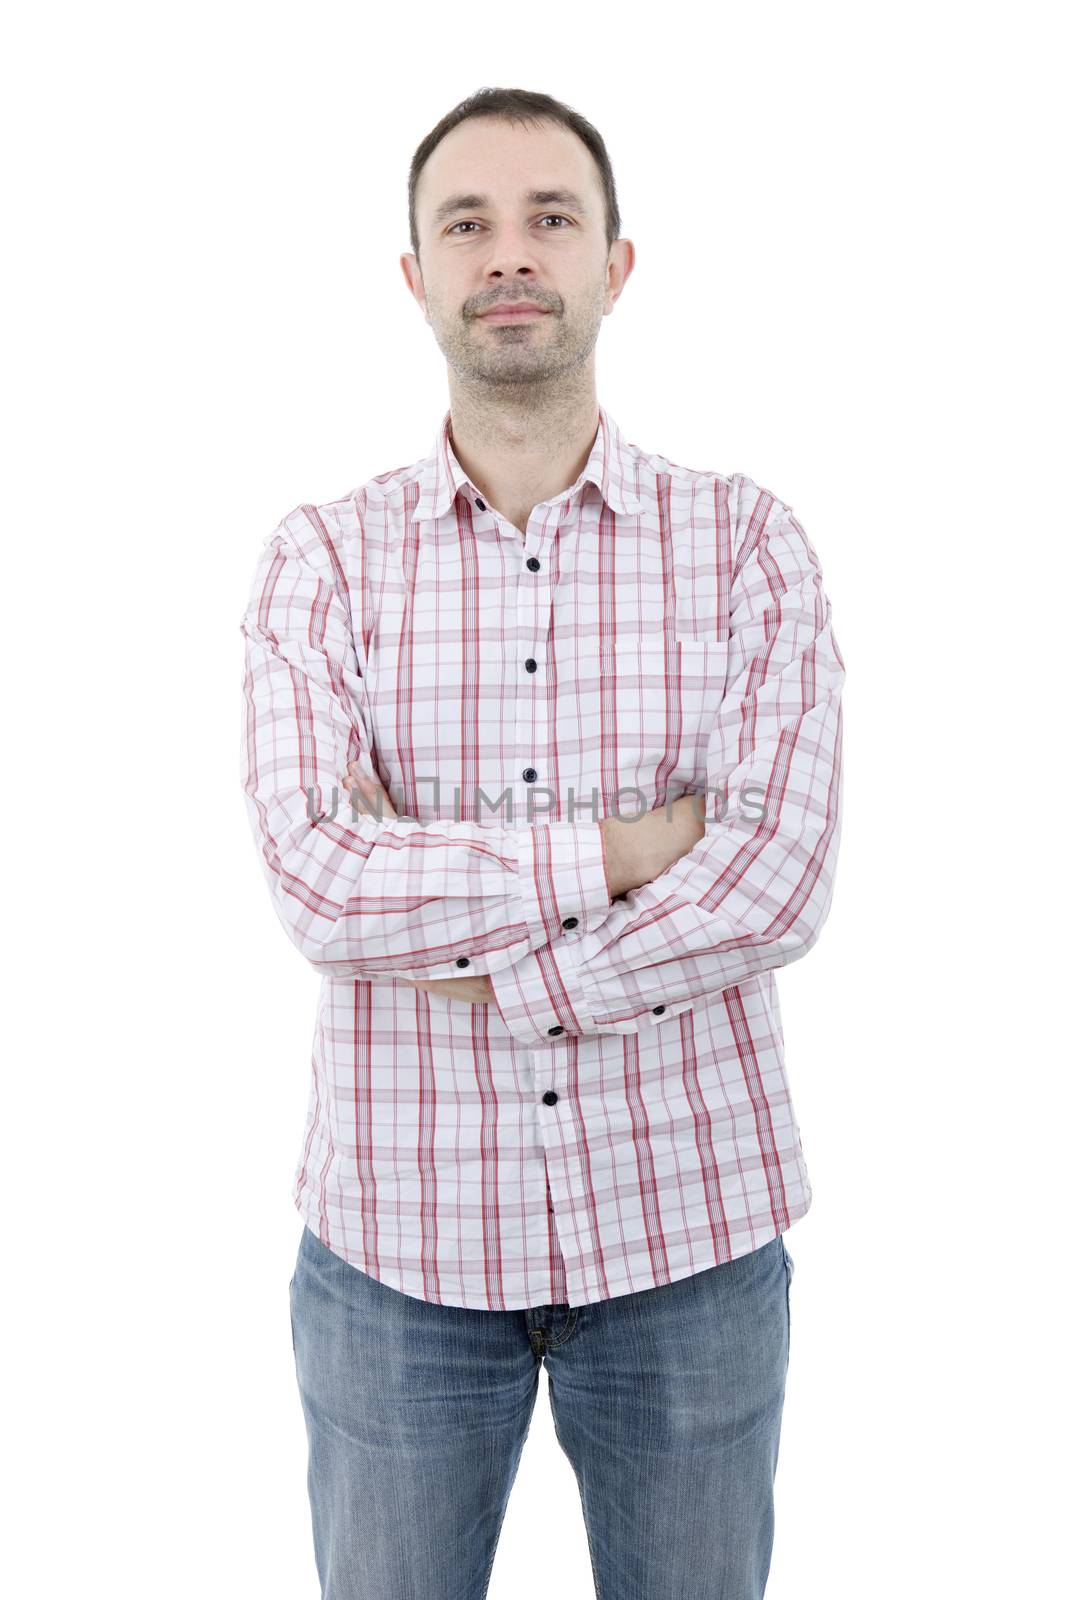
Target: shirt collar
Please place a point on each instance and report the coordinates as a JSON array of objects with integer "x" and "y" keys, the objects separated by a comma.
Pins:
[{"x": 611, "y": 467}]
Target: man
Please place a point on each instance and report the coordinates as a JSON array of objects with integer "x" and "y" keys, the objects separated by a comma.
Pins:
[{"x": 549, "y": 1118}]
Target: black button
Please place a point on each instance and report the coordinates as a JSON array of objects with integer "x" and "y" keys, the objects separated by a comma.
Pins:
[
  {"x": 550, "y": 1098},
  {"x": 657, "y": 1011},
  {"x": 531, "y": 664},
  {"x": 570, "y": 922},
  {"x": 557, "y": 1029},
  {"x": 530, "y": 774},
  {"x": 480, "y": 504},
  {"x": 464, "y": 961},
  {"x": 533, "y": 563}
]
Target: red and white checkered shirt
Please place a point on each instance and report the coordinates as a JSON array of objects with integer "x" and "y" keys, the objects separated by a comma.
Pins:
[{"x": 621, "y": 1118}]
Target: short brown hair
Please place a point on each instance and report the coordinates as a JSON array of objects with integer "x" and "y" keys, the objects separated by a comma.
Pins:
[{"x": 518, "y": 106}]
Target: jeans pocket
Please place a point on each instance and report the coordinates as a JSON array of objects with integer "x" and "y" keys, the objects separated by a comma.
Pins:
[
  {"x": 788, "y": 1261},
  {"x": 292, "y": 1319}
]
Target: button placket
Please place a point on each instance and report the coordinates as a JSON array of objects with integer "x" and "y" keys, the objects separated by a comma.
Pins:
[{"x": 531, "y": 712}]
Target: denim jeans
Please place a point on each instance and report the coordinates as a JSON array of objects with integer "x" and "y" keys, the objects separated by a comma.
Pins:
[{"x": 667, "y": 1404}]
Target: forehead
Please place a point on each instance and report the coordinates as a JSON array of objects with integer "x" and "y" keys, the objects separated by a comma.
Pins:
[{"x": 502, "y": 161}]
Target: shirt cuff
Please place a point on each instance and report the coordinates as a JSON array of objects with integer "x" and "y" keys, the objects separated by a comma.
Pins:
[
  {"x": 562, "y": 876},
  {"x": 541, "y": 998}
]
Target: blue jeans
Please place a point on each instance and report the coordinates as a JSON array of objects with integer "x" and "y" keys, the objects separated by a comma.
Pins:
[{"x": 667, "y": 1403}]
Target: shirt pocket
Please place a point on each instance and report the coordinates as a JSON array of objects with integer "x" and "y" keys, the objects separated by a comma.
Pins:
[{"x": 650, "y": 702}]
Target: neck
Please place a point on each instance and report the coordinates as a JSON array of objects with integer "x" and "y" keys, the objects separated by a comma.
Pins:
[{"x": 517, "y": 454}]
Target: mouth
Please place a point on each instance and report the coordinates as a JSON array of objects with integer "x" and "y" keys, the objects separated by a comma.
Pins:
[{"x": 517, "y": 314}]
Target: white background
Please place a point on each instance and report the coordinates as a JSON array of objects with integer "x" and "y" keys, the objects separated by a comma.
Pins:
[{"x": 846, "y": 286}]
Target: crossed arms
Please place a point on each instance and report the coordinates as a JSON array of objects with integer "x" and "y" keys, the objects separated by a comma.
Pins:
[{"x": 449, "y": 902}]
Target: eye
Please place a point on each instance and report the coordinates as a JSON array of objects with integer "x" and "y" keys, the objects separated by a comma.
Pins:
[{"x": 551, "y": 216}]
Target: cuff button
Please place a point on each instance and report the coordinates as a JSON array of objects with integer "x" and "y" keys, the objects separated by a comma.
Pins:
[
  {"x": 464, "y": 961},
  {"x": 657, "y": 1011},
  {"x": 570, "y": 922}
]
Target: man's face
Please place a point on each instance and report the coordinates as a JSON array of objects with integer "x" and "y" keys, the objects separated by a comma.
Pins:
[{"x": 551, "y": 252}]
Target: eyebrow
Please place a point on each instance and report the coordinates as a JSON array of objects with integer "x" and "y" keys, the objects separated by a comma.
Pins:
[{"x": 535, "y": 197}]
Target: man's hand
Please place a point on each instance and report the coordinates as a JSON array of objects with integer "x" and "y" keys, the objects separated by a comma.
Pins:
[
  {"x": 367, "y": 794},
  {"x": 475, "y": 991},
  {"x": 638, "y": 849}
]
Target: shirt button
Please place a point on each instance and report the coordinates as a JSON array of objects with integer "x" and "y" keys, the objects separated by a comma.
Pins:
[
  {"x": 480, "y": 504},
  {"x": 529, "y": 774},
  {"x": 533, "y": 563},
  {"x": 550, "y": 1098},
  {"x": 570, "y": 922},
  {"x": 464, "y": 961},
  {"x": 531, "y": 664},
  {"x": 557, "y": 1029},
  {"x": 657, "y": 1011}
]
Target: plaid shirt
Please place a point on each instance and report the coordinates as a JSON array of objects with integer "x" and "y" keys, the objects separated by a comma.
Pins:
[{"x": 621, "y": 1116}]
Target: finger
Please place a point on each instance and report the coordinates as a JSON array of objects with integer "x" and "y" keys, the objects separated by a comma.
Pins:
[{"x": 362, "y": 784}]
